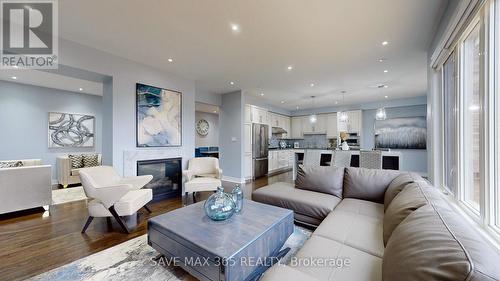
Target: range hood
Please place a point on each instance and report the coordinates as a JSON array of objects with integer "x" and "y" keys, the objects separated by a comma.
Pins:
[{"x": 279, "y": 130}]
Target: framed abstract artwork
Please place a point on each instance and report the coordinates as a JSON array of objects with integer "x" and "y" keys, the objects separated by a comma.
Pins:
[
  {"x": 401, "y": 133},
  {"x": 71, "y": 130},
  {"x": 158, "y": 117}
]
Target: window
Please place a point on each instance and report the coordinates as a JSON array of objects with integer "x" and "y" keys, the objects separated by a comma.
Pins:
[{"x": 450, "y": 118}]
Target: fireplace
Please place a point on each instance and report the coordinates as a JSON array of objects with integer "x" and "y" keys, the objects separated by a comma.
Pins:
[{"x": 167, "y": 177}]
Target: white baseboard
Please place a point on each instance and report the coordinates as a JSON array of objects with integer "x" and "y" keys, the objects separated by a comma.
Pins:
[{"x": 233, "y": 179}]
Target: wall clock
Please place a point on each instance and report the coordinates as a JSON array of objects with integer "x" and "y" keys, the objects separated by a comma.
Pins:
[{"x": 202, "y": 127}]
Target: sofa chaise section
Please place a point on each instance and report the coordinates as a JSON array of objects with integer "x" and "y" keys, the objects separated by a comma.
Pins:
[{"x": 309, "y": 207}]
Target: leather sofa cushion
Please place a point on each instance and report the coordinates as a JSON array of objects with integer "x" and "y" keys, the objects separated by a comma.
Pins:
[
  {"x": 358, "y": 231},
  {"x": 395, "y": 187},
  {"x": 407, "y": 201},
  {"x": 438, "y": 245},
  {"x": 362, "y": 266},
  {"x": 361, "y": 207},
  {"x": 312, "y": 204},
  {"x": 283, "y": 272},
  {"x": 321, "y": 179},
  {"x": 367, "y": 184}
]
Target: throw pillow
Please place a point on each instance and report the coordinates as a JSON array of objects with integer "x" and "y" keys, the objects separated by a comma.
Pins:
[
  {"x": 76, "y": 161},
  {"x": 90, "y": 160},
  {"x": 321, "y": 179},
  {"x": 11, "y": 164}
]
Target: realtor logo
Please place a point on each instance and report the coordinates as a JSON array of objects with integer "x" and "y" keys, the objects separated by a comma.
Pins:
[{"x": 29, "y": 34}]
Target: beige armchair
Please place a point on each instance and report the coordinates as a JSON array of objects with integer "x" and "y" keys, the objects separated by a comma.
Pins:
[
  {"x": 203, "y": 174},
  {"x": 66, "y": 175},
  {"x": 112, "y": 195}
]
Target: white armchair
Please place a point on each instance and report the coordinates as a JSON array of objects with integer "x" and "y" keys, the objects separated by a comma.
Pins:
[
  {"x": 113, "y": 195},
  {"x": 203, "y": 174}
]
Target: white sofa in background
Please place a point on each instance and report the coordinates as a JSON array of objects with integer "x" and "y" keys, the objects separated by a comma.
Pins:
[
  {"x": 65, "y": 174},
  {"x": 25, "y": 187}
]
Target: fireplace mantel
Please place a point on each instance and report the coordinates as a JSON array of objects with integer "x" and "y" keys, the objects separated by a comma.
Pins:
[{"x": 130, "y": 157}]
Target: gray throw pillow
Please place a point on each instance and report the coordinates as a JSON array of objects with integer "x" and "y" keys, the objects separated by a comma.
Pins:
[
  {"x": 321, "y": 179},
  {"x": 90, "y": 160},
  {"x": 76, "y": 161}
]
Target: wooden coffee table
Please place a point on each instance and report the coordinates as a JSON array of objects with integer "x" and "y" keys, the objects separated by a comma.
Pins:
[{"x": 240, "y": 248}]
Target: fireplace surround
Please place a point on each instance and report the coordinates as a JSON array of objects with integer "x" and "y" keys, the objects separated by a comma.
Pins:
[{"x": 167, "y": 176}]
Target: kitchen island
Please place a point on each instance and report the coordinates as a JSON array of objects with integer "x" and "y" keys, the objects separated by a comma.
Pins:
[{"x": 390, "y": 159}]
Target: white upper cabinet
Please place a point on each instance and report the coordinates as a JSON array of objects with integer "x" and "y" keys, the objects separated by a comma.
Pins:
[
  {"x": 258, "y": 115},
  {"x": 331, "y": 126},
  {"x": 248, "y": 114},
  {"x": 296, "y": 128},
  {"x": 353, "y": 123},
  {"x": 307, "y": 127},
  {"x": 320, "y": 125}
]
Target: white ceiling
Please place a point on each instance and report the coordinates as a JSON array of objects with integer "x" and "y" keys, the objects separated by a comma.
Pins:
[
  {"x": 52, "y": 80},
  {"x": 334, "y": 44}
]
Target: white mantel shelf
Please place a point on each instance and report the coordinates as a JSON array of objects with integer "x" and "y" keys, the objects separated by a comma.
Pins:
[{"x": 130, "y": 157}]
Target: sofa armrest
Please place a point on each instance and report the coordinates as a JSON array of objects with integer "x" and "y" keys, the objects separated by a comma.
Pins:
[
  {"x": 63, "y": 170},
  {"x": 219, "y": 173},
  {"x": 137, "y": 182},
  {"x": 188, "y": 175},
  {"x": 284, "y": 272}
]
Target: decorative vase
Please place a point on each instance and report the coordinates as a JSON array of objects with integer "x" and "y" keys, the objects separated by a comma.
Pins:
[
  {"x": 220, "y": 205},
  {"x": 345, "y": 146},
  {"x": 237, "y": 198}
]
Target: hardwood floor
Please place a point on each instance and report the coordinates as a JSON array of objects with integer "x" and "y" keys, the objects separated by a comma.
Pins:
[{"x": 35, "y": 242}]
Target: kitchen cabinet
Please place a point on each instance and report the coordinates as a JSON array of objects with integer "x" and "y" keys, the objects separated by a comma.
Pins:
[
  {"x": 248, "y": 151},
  {"x": 296, "y": 128},
  {"x": 248, "y": 166},
  {"x": 331, "y": 126},
  {"x": 319, "y": 127},
  {"x": 248, "y": 138},
  {"x": 280, "y": 159},
  {"x": 353, "y": 124},
  {"x": 248, "y": 114},
  {"x": 259, "y": 115}
]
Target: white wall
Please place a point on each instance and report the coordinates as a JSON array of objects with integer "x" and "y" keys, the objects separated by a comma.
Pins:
[
  {"x": 212, "y": 138},
  {"x": 125, "y": 74}
]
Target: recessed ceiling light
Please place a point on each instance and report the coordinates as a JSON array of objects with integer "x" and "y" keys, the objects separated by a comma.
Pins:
[
  {"x": 170, "y": 59},
  {"x": 231, "y": 83},
  {"x": 235, "y": 27},
  {"x": 336, "y": 102},
  {"x": 381, "y": 60},
  {"x": 15, "y": 66},
  {"x": 215, "y": 111},
  {"x": 385, "y": 71},
  {"x": 289, "y": 67},
  {"x": 261, "y": 94},
  {"x": 14, "y": 77},
  {"x": 386, "y": 96},
  {"x": 312, "y": 85},
  {"x": 385, "y": 43},
  {"x": 282, "y": 101},
  {"x": 80, "y": 89},
  {"x": 297, "y": 107},
  {"x": 385, "y": 86}
]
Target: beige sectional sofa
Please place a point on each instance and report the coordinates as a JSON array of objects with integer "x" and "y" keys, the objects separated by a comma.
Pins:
[
  {"x": 66, "y": 174},
  {"x": 384, "y": 225}
]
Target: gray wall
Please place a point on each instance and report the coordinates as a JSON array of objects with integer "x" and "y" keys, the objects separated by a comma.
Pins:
[
  {"x": 411, "y": 159},
  {"x": 24, "y": 121},
  {"x": 212, "y": 138},
  {"x": 125, "y": 74},
  {"x": 231, "y": 146}
]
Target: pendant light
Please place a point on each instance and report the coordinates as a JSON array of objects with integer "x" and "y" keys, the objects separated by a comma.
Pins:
[
  {"x": 343, "y": 115},
  {"x": 313, "y": 118},
  {"x": 381, "y": 114}
]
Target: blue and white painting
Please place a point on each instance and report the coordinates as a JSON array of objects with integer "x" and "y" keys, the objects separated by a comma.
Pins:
[
  {"x": 159, "y": 118},
  {"x": 401, "y": 133}
]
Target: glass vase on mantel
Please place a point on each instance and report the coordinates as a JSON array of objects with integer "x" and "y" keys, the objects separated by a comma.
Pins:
[
  {"x": 237, "y": 198},
  {"x": 220, "y": 205}
]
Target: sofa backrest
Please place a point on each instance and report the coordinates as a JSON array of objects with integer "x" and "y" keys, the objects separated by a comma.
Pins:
[
  {"x": 367, "y": 184},
  {"x": 431, "y": 241},
  {"x": 27, "y": 162}
]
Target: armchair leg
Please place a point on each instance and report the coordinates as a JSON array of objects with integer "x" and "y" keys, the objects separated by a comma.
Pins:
[
  {"x": 118, "y": 219},
  {"x": 147, "y": 208},
  {"x": 194, "y": 197},
  {"x": 89, "y": 220}
]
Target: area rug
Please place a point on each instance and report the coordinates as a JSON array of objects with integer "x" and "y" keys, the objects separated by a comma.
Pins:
[
  {"x": 133, "y": 260},
  {"x": 70, "y": 194}
]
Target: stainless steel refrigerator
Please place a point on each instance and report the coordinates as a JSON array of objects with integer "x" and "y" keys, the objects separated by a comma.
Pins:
[{"x": 260, "y": 150}]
